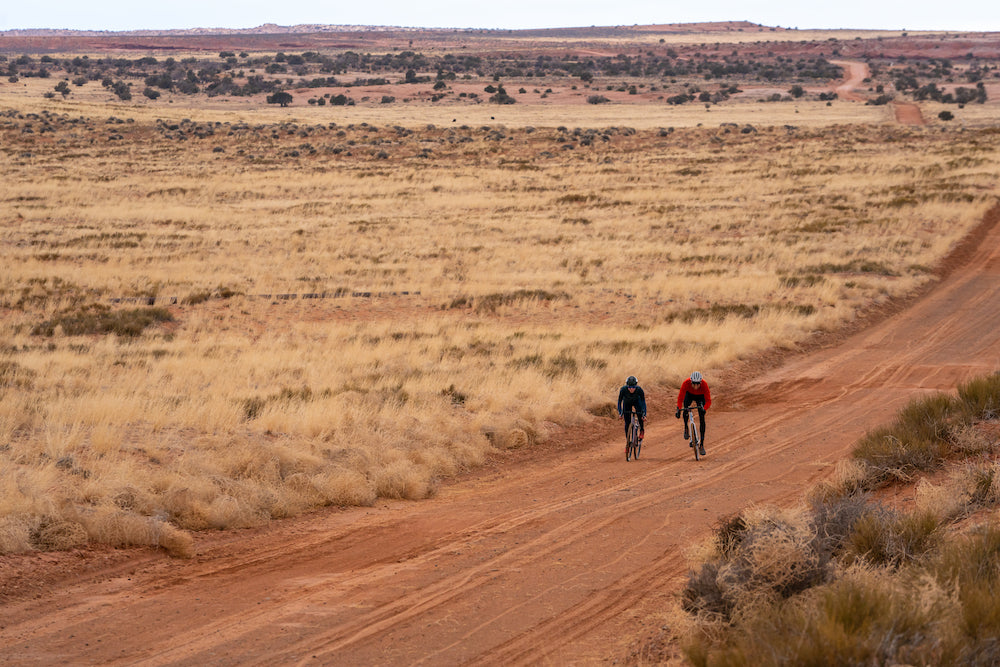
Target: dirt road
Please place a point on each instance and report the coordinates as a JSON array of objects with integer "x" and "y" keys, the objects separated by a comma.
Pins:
[
  {"x": 908, "y": 113},
  {"x": 557, "y": 561},
  {"x": 905, "y": 113},
  {"x": 856, "y": 74}
]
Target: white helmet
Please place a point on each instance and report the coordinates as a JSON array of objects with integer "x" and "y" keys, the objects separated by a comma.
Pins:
[{"x": 696, "y": 377}]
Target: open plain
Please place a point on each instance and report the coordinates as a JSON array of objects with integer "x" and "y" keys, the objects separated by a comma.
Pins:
[{"x": 377, "y": 343}]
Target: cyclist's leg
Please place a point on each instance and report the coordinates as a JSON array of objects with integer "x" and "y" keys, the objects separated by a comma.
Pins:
[
  {"x": 642, "y": 426},
  {"x": 701, "y": 419},
  {"x": 688, "y": 399}
]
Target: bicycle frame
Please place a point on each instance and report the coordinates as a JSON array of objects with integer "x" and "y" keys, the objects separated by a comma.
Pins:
[{"x": 694, "y": 429}]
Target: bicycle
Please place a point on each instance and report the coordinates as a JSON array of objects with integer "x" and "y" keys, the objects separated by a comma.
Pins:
[
  {"x": 694, "y": 430},
  {"x": 632, "y": 442}
]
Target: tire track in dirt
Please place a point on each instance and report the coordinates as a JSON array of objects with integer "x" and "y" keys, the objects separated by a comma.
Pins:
[
  {"x": 576, "y": 529},
  {"x": 562, "y": 559}
]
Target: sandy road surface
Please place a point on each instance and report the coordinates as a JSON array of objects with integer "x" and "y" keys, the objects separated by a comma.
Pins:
[{"x": 557, "y": 561}]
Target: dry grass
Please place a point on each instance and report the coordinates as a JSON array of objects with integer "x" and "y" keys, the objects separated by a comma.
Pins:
[{"x": 513, "y": 275}]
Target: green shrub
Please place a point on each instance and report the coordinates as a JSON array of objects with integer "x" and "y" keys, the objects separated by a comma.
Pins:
[
  {"x": 917, "y": 440},
  {"x": 882, "y": 537},
  {"x": 980, "y": 398}
]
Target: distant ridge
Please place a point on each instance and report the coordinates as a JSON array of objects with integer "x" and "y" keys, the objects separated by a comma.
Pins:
[
  {"x": 314, "y": 28},
  {"x": 265, "y": 29}
]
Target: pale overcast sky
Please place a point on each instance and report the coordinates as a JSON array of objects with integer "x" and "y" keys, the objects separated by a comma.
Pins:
[{"x": 977, "y": 15}]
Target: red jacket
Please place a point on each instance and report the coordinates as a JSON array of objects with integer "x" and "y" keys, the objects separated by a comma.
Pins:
[{"x": 688, "y": 388}]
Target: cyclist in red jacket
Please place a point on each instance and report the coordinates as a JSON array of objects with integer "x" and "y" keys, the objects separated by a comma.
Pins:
[{"x": 694, "y": 390}]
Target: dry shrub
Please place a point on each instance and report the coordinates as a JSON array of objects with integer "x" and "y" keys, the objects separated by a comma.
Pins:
[
  {"x": 862, "y": 618},
  {"x": 993, "y": 493},
  {"x": 302, "y": 485},
  {"x": 187, "y": 508},
  {"x": 515, "y": 439},
  {"x": 970, "y": 569},
  {"x": 176, "y": 542},
  {"x": 850, "y": 476},
  {"x": 56, "y": 534},
  {"x": 947, "y": 500},
  {"x": 225, "y": 511},
  {"x": 768, "y": 555},
  {"x": 256, "y": 464},
  {"x": 977, "y": 484},
  {"x": 833, "y": 520},
  {"x": 512, "y": 434},
  {"x": 403, "y": 479},
  {"x": 341, "y": 486},
  {"x": 970, "y": 439},
  {"x": 110, "y": 525},
  {"x": 15, "y": 535}
]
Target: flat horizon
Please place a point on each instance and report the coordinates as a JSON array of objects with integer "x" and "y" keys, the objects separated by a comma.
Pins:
[{"x": 125, "y": 16}]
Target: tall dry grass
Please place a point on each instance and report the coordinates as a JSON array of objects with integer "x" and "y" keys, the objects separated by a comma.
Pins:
[{"x": 513, "y": 276}]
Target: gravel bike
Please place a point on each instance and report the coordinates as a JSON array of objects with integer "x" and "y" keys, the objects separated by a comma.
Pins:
[
  {"x": 694, "y": 430},
  {"x": 632, "y": 442}
]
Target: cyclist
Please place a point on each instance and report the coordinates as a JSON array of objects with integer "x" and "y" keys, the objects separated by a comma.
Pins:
[
  {"x": 694, "y": 390},
  {"x": 631, "y": 396}
]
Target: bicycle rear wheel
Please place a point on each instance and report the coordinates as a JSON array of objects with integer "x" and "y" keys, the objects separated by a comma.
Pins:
[{"x": 632, "y": 441}]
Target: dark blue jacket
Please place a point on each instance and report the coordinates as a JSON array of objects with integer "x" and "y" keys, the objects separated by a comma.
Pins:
[{"x": 627, "y": 400}]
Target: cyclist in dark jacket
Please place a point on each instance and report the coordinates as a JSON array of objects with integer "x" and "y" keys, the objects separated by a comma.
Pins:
[
  {"x": 631, "y": 396},
  {"x": 694, "y": 390}
]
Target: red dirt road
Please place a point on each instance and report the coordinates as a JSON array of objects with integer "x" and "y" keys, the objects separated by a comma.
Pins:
[
  {"x": 560, "y": 560},
  {"x": 908, "y": 113},
  {"x": 856, "y": 73},
  {"x": 905, "y": 113}
]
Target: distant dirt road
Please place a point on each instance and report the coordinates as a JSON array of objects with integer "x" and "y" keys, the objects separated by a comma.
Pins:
[
  {"x": 558, "y": 560},
  {"x": 856, "y": 74},
  {"x": 905, "y": 113},
  {"x": 908, "y": 113}
]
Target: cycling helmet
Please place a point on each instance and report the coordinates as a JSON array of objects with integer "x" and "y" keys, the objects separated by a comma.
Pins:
[
  {"x": 696, "y": 377},
  {"x": 631, "y": 381}
]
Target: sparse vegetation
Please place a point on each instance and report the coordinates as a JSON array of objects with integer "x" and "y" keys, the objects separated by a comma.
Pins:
[
  {"x": 467, "y": 304},
  {"x": 849, "y": 580}
]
